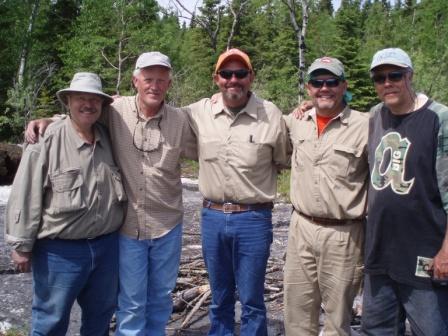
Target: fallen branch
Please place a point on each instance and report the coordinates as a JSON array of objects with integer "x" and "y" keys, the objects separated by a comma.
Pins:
[{"x": 198, "y": 305}]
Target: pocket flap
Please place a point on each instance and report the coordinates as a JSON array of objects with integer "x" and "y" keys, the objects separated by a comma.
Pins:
[
  {"x": 66, "y": 180},
  {"x": 347, "y": 149}
]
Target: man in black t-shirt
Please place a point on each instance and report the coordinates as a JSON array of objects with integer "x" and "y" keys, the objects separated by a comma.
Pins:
[{"x": 406, "y": 260}]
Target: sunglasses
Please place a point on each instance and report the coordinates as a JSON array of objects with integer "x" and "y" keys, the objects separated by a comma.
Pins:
[
  {"x": 393, "y": 76},
  {"x": 240, "y": 73},
  {"x": 319, "y": 83}
]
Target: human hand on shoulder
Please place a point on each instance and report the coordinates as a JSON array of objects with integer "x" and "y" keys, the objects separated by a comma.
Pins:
[
  {"x": 299, "y": 111},
  {"x": 35, "y": 128}
]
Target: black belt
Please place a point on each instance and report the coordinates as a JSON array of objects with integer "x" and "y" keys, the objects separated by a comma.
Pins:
[
  {"x": 228, "y": 207},
  {"x": 329, "y": 221}
]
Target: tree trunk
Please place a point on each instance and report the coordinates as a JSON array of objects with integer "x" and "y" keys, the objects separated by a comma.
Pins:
[
  {"x": 26, "y": 43},
  {"x": 300, "y": 32}
]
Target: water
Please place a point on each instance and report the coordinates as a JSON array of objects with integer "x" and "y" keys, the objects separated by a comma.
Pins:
[{"x": 4, "y": 194}]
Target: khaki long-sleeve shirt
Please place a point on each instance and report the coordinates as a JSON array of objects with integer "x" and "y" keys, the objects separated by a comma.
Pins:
[
  {"x": 239, "y": 154},
  {"x": 64, "y": 188},
  {"x": 148, "y": 153},
  {"x": 329, "y": 173}
]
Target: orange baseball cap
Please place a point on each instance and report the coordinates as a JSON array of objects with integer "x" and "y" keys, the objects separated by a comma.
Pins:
[{"x": 233, "y": 54}]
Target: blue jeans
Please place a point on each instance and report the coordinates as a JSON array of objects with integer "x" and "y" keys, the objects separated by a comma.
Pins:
[
  {"x": 387, "y": 304},
  {"x": 85, "y": 270},
  {"x": 236, "y": 250},
  {"x": 148, "y": 273}
]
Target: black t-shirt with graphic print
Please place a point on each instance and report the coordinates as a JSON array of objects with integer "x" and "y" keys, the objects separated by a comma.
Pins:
[{"x": 406, "y": 217}]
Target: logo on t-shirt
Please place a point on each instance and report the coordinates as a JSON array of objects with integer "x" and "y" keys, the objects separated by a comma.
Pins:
[{"x": 389, "y": 166}]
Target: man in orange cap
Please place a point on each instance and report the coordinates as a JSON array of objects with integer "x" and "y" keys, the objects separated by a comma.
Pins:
[{"x": 242, "y": 140}]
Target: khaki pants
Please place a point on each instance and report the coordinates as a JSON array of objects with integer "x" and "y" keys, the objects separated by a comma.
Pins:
[{"x": 324, "y": 264}]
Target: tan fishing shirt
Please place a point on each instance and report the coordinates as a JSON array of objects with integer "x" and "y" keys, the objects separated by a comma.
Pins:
[
  {"x": 329, "y": 174},
  {"x": 148, "y": 153},
  {"x": 239, "y": 155},
  {"x": 64, "y": 188}
]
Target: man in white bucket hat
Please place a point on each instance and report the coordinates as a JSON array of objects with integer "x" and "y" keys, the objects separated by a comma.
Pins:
[
  {"x": 149, "y": 138},
  {"x": 62, "y": 217}
]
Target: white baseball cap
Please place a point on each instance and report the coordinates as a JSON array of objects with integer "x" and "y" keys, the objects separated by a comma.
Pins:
[
  {"x": 152, "y": 58},
  {"x": 392, "y": 56}
]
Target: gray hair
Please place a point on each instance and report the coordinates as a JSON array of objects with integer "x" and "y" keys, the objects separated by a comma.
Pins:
[{"x": 137, "y": 72}]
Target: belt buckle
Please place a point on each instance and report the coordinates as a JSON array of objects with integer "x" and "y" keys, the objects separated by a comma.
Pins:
[{"x": 226, "y": 207}]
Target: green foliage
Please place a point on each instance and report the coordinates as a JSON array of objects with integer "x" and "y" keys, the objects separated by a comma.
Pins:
[
  {"x": 283, "y": 183},
  {"x": 106, "y": 36}
]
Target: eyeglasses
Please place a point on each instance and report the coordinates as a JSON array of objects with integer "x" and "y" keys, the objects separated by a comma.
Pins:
[
  {"x": 393, "y": 76},
  {"x": 142, "y": 138},
  {"x": 319, "y": 83},
  {"x": 240, "y": 73}
]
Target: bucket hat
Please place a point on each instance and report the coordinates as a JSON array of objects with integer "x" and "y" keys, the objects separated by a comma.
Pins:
[{"x": 86, "y": 82}]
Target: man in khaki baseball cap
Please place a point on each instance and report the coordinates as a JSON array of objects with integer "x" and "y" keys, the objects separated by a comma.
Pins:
[
  {"x": 62, "y": 217},
  {"x": 329, "y": 181}
]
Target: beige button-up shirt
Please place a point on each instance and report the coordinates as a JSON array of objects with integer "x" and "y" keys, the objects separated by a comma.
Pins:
[
  {"x": 64, "y": 188},
  {"x": 239, "y": 154},
  {"x": 329, "y": 174},
  {"x": 148, "y": 153}
]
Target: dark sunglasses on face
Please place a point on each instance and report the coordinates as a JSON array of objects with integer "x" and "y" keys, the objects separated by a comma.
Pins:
[
  {"x": 240, "y": 73},
  {"x": 319, "y": 83},
  {"x": 393, "y": 76}
]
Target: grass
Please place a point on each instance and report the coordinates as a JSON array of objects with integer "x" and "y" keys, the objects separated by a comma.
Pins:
[
  {"x": 13, "y": 332},
  {"x": 189, "y": 168},
  {"x": 283, "y": 181}
]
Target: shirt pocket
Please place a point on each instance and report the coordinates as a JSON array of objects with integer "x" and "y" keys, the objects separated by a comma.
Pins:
[
  {"x": 169, "y": 159},
  {"x": 344, "y": 160},
  {"x": 209, "y": 151},
  {"x": 250, "y": 154},
  {"x": 67, "y": 190}
]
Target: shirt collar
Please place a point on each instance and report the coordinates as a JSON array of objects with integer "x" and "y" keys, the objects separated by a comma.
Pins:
[
  {"x": 342, "y": 116},
  {"x": 76, "y": 139},
  {"x": 251, "y": 108}
]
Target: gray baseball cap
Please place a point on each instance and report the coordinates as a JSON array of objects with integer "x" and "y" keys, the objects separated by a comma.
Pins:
[
  {"x": 392, "y": 56},
  {"x": 330, "y": 64},
  {"x": 152, "y": 58},
  {"x": 85, "y": 82}
]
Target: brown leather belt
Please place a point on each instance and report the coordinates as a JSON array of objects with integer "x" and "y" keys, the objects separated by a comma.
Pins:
[
  {"x": 228, "y": 207},
  {"x": 329, "y": 221}
]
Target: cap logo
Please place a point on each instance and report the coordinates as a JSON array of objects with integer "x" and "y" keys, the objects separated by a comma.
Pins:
[{"x": 326, "y": 60}]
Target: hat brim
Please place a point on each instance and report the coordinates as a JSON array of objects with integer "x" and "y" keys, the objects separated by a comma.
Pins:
[
  {"x": 233, "y": 57},
  {"x": 401, "y": 65},
  {"x": 62, "y": 95},
  {"x": 164, "y": 65}
]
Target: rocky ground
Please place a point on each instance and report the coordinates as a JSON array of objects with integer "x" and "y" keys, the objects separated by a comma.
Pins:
[{"x": 16, "y": 291}]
